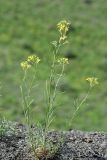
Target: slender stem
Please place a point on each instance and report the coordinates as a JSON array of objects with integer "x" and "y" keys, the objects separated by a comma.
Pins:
[
  {"x": 55, "y": 52},
  {"x": 61, "y": 74},
  {"x": 51, "y": 106},
  {"x": 33, "y": 79},
  {"x": 78, "y": 107},
  {"x": 49, "y": 92},
  {"x": 28, "y": 94},
  {"x": 27, "y": 102},
  {"x": 22, "y": 93}
]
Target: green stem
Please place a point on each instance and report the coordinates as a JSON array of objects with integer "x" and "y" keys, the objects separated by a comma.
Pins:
[
  {"x": 49, "y": 91},
  {"x": 32, "y": 82},
  {"x": 51, "y": 106},
  {"x": 78, "y": 107},
  {"x": 61, "y": 74},
  {"x": 27, "y": 102}
]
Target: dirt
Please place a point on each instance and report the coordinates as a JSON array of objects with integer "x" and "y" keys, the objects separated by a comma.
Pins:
[{"x": 76, "y": 145}]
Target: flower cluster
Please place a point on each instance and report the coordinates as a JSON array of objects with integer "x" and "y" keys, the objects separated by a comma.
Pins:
[
  {"x": 31, "y": 60},
  {"x": 63, "y": 61},
  {"x": 25, "y": 65},
  {"x": 92, "y": 81},
  {"x": 63, "y": 27}
]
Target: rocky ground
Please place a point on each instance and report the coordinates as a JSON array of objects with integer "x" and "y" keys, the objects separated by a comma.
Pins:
[{"x": 77, "y": 145}]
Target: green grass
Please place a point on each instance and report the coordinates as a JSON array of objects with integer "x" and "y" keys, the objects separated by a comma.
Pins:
[{"x": 28, "y": 27}]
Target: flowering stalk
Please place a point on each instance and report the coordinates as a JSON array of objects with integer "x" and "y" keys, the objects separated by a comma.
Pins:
[
  {"x": 40, "y": 145},
  {"x": 63, "y": 28},
  {"x": 31, "y": 61},
  {"x": 92, "y": 82}
]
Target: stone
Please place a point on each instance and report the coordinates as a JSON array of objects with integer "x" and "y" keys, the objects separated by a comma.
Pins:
[{"x": 76, "y": 145}]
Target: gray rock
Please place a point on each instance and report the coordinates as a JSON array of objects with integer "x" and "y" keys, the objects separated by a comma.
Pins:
[{"x": 76, "y": 145}]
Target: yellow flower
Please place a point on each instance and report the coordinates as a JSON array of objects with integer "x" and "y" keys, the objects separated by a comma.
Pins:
[
  {"x": 33, "y": 59},
  {"x": 92, "y": 81},
  {"x": 25, "y": 65},
  {"x": 63, "y": 61},
  {"x": 63, "y": 26}
]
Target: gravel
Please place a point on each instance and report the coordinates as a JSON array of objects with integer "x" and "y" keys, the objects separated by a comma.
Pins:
[{"x": 76, "y": 145}]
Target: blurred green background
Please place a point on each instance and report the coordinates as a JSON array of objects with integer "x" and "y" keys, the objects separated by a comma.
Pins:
[{"x": 27, "y": 27}]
